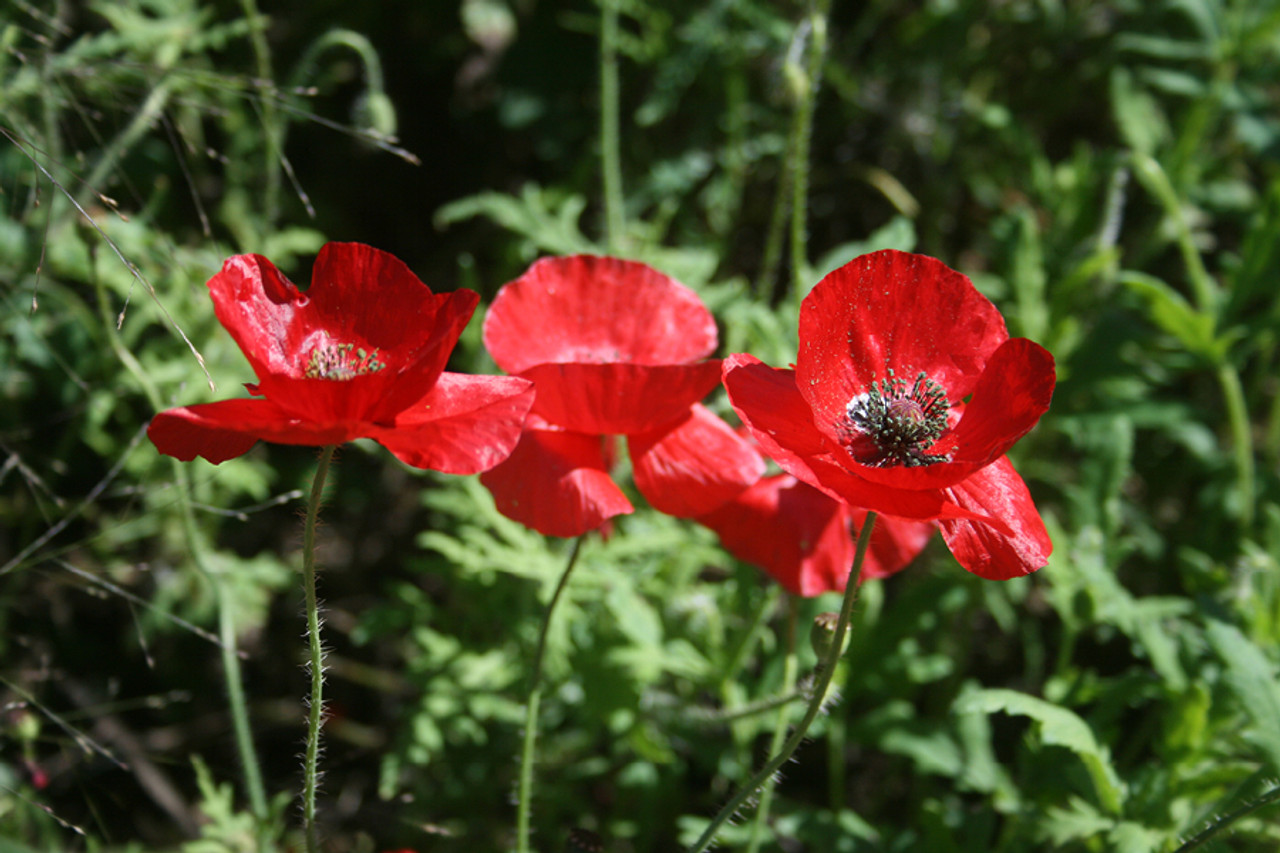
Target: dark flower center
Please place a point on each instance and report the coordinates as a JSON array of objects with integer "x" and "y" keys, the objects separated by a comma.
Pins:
[
  {"x": 895, "y": 424},
  {"x": 341, "y": 362}
]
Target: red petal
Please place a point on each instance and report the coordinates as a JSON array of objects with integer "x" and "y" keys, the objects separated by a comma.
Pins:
[
  {"x": 695, "y": 467},
  {"x": 598, "y": 311},
  {"x": 770, "y": 405},
  {"x": 228, "y": 428},
  {"x": 894, "y": 311},
  {"x": 792, "y": 531},
  {"x": 1012, "y": 393},
  {"x": 1012, "y": 542},
  {"x": 556, "y": 483},
  {"x": 361, "y": 297},
  {"x": 895, "y": 542},
  {"x": 619, "y": 399},
  {"x": 467, "y": 424}
]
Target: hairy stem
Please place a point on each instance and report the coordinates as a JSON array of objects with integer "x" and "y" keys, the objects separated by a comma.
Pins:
[
  {"x": 803, "y": 128},
  {"x": 610, "y": 153},
  {"x": 525, "y": 793},
  {"x": 1226, "y": 820},
  {"x": 315, "y": 717},
  {"x": 822, "y": 680}
]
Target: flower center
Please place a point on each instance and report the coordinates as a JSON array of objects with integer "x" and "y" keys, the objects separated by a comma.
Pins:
[
  {"x": 895, "y": 424},
  {"x": 341, "y": 362}
]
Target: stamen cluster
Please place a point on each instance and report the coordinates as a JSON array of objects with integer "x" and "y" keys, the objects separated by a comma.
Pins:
[
  {"x": 341, "y": 362},
  {"x": 901, "y": 423}
]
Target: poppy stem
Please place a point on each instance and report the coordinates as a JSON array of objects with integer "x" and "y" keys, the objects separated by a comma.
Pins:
[
  {"x": 822, "y": 680},
  {"x": 610, "y": 135},
  {"x": 802, "y": 130},
  {"x": 789, "y": 667},
  {"x": 315, "y": 717},
  {"x": 525, "y": 792}
]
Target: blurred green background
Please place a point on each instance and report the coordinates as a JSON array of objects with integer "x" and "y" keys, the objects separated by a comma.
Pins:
[{"x": 1106, "y": 172}]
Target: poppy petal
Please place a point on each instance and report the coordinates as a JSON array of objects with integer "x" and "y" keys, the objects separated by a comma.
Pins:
[
  {"x": 896, "y": 311},
  {"x": 694, "y": 467},
  {"x": 556, "y": 483},
  {"x": 367, "y": 340},
  {"x": 465, "y": 425},
  {"x": 1012, "y": 542},
  {"x": 228, "y": 428},
  {"x": 596, "y": 310},
  {"x": 1012, "y": 394},
  {"x": 895, "y": 542},
  {"x": 619, "y": 399},
  {"x": 771, "y": 406},
  {"x": 790, "y": 530}
]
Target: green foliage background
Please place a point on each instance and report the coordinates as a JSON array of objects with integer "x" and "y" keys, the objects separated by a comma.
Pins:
[{"x": 1106, "y": 172}]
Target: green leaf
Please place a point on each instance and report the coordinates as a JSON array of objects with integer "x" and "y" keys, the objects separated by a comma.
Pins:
[
  {"x": 1251, "y": 676},
  {"x": 1175, "y": 315},
  {"x": 1058, "y": 726}
]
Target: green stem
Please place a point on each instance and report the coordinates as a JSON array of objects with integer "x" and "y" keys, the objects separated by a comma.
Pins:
[
  {"x": 1225, "y": 821},
  {"x": 315, "y": 717},
  {"x": 1241, "y": 439},
  {"x": 779, "y": 729},
  {"x": 525, "y": 793},
  {"x": 610, "y": 152},
  {"x": 804, "y": 132},
  {"x": 722, "y": 716},
  {"x": 822, "y": 680},
  {"x": 272, "y": 151},
  {"x": 226, "y": 624}
]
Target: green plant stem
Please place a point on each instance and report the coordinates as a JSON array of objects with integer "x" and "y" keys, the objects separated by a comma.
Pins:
[
  {"x": 610, "y": 150},
  {"x": 1225, "y": 821},
  {"x": 1241, "y": 438},
  {"x": 227, "y": 640},
  {"x": 270, "y": 115},
  {"x": 525, "y": 792},
  {"x": 789, "y": 667},
  {"x": 803, "y": 129},
  {"x": 315, "y": 718},
  {"x": 822, "y": 680}
]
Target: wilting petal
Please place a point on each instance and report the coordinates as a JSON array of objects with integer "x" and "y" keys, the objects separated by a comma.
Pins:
[
  {"x": 556, "y": 483},
  {"x": 792, "y": 531},
  {"x": 694, "y": 467},
  {"x": 467, "y": 424},
  {"x": 596, "y": 310},
  {"x": 619, "y": 399},
  {"x": 1012, "y": 542},
  {"x": 894, "y": 311},
  {"x": 228, "y": 428}
]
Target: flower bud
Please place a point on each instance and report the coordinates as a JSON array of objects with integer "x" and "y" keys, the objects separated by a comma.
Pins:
[{"x": 823, "y": 634}]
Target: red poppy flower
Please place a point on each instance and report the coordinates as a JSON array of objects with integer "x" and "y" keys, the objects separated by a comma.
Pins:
[
  {"x": 805, "y": 539},
  {"x": 615, "y": 348},
  {"x": 906, "y": 393},
  {"x": 360, "y": 354}
]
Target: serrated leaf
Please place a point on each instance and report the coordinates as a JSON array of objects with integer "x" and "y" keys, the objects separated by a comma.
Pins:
[
  {"x": 1170, "y": 311},
  {"x": 1058, "y": 726},
  {"x": 1251, "y": 676}
]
